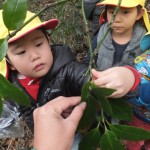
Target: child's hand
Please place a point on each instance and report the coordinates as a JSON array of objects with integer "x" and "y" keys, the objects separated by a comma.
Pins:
[{"x": 119, "y": 78}]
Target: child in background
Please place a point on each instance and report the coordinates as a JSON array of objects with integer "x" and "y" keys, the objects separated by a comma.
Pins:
[
  {"x": 122, "y": 43},
  {"x": 142, "y": 103}
]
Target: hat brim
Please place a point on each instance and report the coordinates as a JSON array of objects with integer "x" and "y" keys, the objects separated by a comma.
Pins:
[
  {"x": 50, "y": 24},
  {"x": 125, "y": 4},
  {"x": 145, "y": 42}
]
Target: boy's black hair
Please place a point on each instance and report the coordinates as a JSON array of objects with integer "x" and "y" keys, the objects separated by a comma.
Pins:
[
  {"x": 46, "y": 33},
  {"x": 141, "y": 20}
]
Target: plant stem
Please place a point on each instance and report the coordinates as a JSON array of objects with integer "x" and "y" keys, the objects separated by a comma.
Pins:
[{"x": 89, "y": 41}]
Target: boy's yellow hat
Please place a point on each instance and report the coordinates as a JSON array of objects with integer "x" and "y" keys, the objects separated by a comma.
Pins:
[
  {"x": 34, "y": 24},
  {"x": 130, "y": 4},
  {"x": 145, "y": 42}
]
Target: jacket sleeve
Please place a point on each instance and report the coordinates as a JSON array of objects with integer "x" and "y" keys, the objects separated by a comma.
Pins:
[
  {"x": 11, "y": 125},
  {"x": 142, "y": 66},
  {"x": 134, "y": 91},
  {"x": 137, "y": 78},
  {"x": 144, "y": 93},
  {"x": 76, "y": 73}
]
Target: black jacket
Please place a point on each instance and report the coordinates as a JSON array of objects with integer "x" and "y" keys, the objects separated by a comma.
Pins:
[{"x": 65, "y": 78}]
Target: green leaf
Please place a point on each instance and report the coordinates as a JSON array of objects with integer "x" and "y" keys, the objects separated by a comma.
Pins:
[
  {"x": 11, "y": 92},
  {"x": 110, "y": 142},
  {"x": 3, "y": 48},
  {"x": 121, "y": 109},
  {"x": 14, "y": 13},
  {"x": 89, "y": 114},
  {"x": 105, "y": 105},
  {"x": 103, "y": 92},
  {"x": 85, "y": 91},
  {"x": 130, "y": 132},
  {"x": 96, "y": 93},
  {"x": 91, "y": 140}
]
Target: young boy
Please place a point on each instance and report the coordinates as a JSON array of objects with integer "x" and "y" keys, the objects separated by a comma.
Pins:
[
  {"x": 45, "y": 71},
  {"x": 121, "y": 45}
]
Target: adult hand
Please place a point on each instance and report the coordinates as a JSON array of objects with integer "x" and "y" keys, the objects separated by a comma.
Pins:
[
  {"x": 51, "y": 130},
  {"x": 119, "y": 78}
]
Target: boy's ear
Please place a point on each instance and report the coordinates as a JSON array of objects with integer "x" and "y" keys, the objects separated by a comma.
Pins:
[
  {"x": 140, "y": 14},
  {"x": 9, "y": 64}
]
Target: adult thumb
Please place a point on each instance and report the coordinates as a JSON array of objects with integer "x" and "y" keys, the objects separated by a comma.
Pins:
[
  {"x": 76, "y": 114},
  {"x": 95, "y": 74}
]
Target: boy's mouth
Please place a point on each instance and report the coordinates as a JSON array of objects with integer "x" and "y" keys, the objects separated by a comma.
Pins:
[
  {"x": 39, "y": 67},
  {"x": 117, "y": 27}
]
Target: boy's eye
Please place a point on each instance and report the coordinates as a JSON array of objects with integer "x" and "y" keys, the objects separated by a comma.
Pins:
[
  {"x": 111, "y": 12},
  {"x": 39, "y": 44},
  {"x": 125, "y": 12},
  {"x": 21, "y": 52}
]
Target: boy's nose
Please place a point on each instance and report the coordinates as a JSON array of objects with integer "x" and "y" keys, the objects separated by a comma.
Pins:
[
  {"x": 117, "y": 18},
  {"x": 34, "y": 56}
]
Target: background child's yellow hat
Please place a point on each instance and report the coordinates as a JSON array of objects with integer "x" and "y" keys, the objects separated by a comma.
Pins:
[
  {"x": 145, "y": 42},
  {"x": 34, "y": 24},
  {"x": 130, "y": 4}
]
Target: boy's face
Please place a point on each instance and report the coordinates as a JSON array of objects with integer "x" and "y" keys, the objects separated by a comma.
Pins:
[
  {"x": 124, "y": 20},
  {"x": 31, "y": 55}
]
